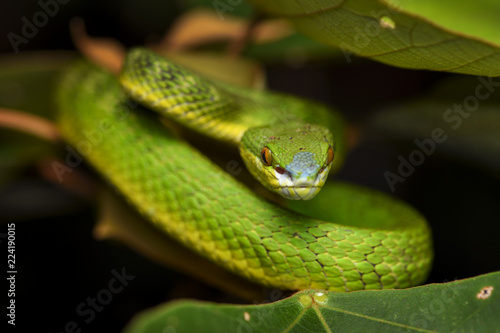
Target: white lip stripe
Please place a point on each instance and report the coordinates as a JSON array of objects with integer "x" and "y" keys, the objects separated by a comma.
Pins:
[
  {"x": 305, "y": 195},
  {"x": 300, "y": 189}
]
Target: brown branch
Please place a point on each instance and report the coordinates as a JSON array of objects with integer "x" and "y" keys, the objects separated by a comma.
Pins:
[
  {"x": 29, "y": 123},
  {"x": 236, "y": 47},
  {"x": 76, "y": 180},
  {"x": 106, "y": 52}
]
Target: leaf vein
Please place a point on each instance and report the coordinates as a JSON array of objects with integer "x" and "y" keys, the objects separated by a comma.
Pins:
[
  {"x": 469, "y": 317},
  {"x": 379, "y": 320},
  {"x": 493, "y": 53},
  {"x": 295, "y": 321},
  {"x": 319, "y": 11},
  {"x": 322, "y": 319}
]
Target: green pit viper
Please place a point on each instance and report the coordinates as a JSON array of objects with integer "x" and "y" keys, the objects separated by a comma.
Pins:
[{"x": 372, "y": 241}]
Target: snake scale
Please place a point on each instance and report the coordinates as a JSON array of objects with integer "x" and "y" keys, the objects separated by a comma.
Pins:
[{"x": 376, "y": 241}]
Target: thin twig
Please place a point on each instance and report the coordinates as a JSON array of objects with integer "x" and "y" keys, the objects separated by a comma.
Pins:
[
  {"x": 236, "y": 47},
  {"x": 106, "y": 52},
  {"x": 29, "y": 123}
]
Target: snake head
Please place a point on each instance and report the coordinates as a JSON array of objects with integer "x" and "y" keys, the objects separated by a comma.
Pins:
[{"x": 293, "y": 161}]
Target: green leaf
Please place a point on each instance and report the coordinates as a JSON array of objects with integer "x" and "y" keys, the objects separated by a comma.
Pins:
[
  {"x": 294, "y": 50},
  {"x": 470, "y": 305},
  {"x": 435, "y": 35}
]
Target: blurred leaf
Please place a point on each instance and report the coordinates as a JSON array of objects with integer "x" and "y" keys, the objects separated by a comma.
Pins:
[
  {"x": 18, "y": 150},
  {"x": 470, "y": 123},
  {"x": 457, "y": 87},
  {"x": 294, "y": 49},
  {"x": 27, "y": 80},
  {"x": 470, "y": 305},
  {"x": 118, "y": 221},
  {"x": 424, "y": 34},
  {"x": 26, "y": 83}
]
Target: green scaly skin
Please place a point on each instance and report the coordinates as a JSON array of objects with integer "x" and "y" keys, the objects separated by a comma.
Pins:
[
  {"x": 382, "y": 244},
  {"x": 298, "y": 132}
]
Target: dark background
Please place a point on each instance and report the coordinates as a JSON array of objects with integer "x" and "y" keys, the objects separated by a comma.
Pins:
[{"x": 60, "y": 264}]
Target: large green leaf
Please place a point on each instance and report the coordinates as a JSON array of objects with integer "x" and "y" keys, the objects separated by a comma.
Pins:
[
  {"x": 442, "y": 35},
  {"x": 470, "y": 305}
]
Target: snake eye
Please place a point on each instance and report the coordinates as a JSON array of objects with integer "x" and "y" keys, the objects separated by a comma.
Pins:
[
  {"x": 330, "y": 155},
  {"x": 266, "y": 156}
]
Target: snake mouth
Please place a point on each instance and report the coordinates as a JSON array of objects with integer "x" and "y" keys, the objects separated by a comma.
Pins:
[
  {"x": 304, "y": 186},
  {"x": 298, "y": 192},
  {"x": 300, "y": 186}
]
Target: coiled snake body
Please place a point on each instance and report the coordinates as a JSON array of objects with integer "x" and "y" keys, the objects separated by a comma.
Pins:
[{"x": 378, "y": 242}]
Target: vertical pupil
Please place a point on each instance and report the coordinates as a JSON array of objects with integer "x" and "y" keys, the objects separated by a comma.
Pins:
[{"x": 265, "y": 155}]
